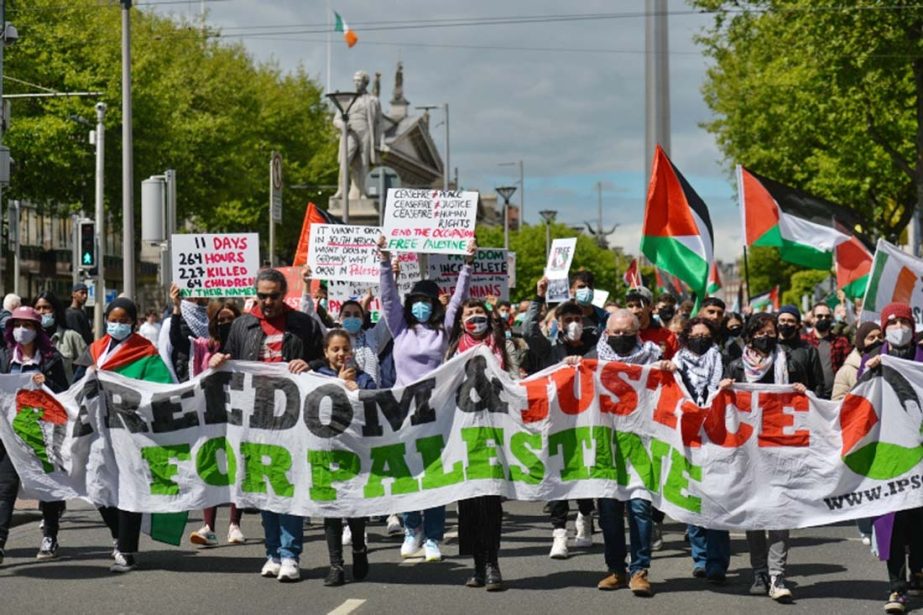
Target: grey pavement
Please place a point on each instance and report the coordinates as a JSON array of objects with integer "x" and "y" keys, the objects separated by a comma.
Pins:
[{"x": 830, "y": 571}]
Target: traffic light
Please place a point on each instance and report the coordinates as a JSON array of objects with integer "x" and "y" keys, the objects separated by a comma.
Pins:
[{"x": 87, "y": 244}]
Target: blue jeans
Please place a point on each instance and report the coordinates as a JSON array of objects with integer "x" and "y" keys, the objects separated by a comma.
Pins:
[
  {"x": 640, "y": 526},
  {"x": 432, "y": 520},
  {"x": 284, "y": 535},
  {"x": 711, "y": 550}
]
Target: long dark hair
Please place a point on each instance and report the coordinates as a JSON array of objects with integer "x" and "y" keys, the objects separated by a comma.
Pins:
[
  {"x": 43, "y": 345},
  {"x": 216, "y": 308},
  {"x": 435, "y": 321},
  {"x": 60, "y": 316},
  {"x": 494, "y": 329}
]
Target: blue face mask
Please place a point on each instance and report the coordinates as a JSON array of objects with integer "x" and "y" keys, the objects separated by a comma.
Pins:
[
  {"x": 117, "y": 330},
  {"x": 352, "y": 324},
  {"x": 47, "y": 321},
  {"x": 584, "y": 296},
  {"x": 421, "y": 310}
]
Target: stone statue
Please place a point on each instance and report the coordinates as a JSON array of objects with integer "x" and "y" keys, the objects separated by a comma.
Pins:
[
  {"x": 376, "y": 86},
  {"x": 363, "y": 137},
  {"x": 398, "y": 97}
]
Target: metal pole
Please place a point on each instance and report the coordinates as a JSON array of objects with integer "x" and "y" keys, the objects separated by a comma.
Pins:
[
  {"x": 599, "y": 213},
  {"x": 381, "y": 196},
  {"x": 272, "y": 223},
  {"x": 547, "y": 239},
  {"x": 75, "y": 249},
  {"x": 14, "y": 207},
  {"x": 522, "y": 196},
  {"x": 446, "y": 167},
  {"x": 128, "y": 209},
  {"x": 100, "y": 221},
  {"x": 506, "y": 223},
  {"x": 344, "y": 167},
  {"x": 170, "y": 221},
  {"x": 2, "y": 45}
]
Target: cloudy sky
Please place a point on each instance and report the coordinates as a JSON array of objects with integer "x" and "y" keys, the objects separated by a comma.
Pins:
[{"x": 564, "y": 95}]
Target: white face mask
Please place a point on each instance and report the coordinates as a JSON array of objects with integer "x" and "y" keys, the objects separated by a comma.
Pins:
[
  {"x": 898, "y": 335},
  {"x": 574, "y": 331},
  {"x": 23, "y": 335}
]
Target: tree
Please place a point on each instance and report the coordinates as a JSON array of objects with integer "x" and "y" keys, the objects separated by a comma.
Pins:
[
  {"x": 767, "y": 270},
  {"x": 803, "y": 283},
  {"x": 827, "y": 98}
]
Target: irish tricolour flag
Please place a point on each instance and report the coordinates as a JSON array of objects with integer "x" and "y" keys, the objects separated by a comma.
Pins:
[
  {"x": 895, "y": 277},
  {"x": 677, "y": 233},
  {"x": 342, "y": 27}
]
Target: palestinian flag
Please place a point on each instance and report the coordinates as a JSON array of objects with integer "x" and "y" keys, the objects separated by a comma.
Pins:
[
  {"x": 766, "y": 302},
  {"x": 666, "y": 283},
  {"x": 343, "y": 28},
  {"x": 714, "y": 280},
  {"x": 895, "y": 277},
  {"x": 677, "y": 235},
  {"x": 312, "y": 215},
  {"x": 853, "y": 264},
  {"x": 632, "y": 276},
  {"x": 767, "y": 224}
]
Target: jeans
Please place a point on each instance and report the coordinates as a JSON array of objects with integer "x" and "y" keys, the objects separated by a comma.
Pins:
[
  {"x": 284, "y": 535},
  {"x": 711, "y": 550},
  {"x": 768, "y": 557},
  {"x": 432, "y": 520},
  {"x": 640, "y": 526},
  {"x": 558, "y": 510}
]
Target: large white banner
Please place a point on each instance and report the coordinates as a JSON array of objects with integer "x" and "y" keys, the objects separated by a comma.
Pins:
[{"x": 756, "y": 457}]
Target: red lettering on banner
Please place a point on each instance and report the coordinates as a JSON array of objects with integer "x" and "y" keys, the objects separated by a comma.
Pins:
[
  {"x": 857, "y": 417},
  {"x": 715, "y": 424},
  {"x": 536, "y": 400},
  {"x": 571, "y": 402},
  {"x": 615, "y": 380},
  {"x": 670, "y": 395},
  {"x": 775, "y": 419},
  {"x": 690, "y": 424}
]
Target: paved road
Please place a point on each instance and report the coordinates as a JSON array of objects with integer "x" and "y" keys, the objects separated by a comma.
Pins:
[{"x": 830, "y": 572}]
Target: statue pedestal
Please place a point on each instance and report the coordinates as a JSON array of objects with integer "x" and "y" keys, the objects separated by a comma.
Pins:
[{"x": 362, "y": 211}]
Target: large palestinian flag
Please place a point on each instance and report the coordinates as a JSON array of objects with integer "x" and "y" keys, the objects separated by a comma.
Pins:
[
  {"x": 677, "y": 234},
  {"x": 767, "y": 224},
  {"x": 853, "y": 265},
  {"x": 895, "y": 277}
]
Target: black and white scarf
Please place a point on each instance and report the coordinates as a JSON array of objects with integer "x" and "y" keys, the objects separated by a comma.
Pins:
[
  {"x": 643, "y": 353},
  {"x": 701, "y": 373}
]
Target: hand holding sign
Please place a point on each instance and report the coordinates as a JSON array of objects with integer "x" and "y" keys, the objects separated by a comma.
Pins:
[
  {"x": 216, "y": 265},
  {"x": 430, "y": 221}
]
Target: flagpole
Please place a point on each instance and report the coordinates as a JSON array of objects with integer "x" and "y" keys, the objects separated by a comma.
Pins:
[
  {"x": 329, "y": 46},
  {"x": 747, "y": 274}
]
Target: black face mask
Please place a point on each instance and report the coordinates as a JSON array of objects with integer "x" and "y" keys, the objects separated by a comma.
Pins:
[
  {"x": 734, "y": 331},
  {"x": 872, "y": 347},
  {"x": 666, "y": 315},
  {"x": 823, "y": 325},
  {"x": 699, "y": 345},
  {"x": 224, "y": 330},
  {"x": 787, "y": 331},
  {"x": 622, "y": 344},
  {"x": 764, "y": 344}
]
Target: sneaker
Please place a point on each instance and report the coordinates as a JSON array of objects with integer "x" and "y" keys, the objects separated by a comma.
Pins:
[
  {"x": 657, "y": 537},
  {"x": 394, "y": 525},
  {"x": 698, "y": 573},
  {"x": 915, "y": 587},
  {"x": 360, "y": 564},
  {"x": 612, "y": 582},
  {"x": 203, "y": 537},
  {"x": 493, "y": 582},
  {"x": 289, "y": 570},
  {"x": 413, "y": 542},
  {"x": 584, "y": 536},
  {"x": 271, "y": 568},
  {"x": 777, "y": 589},
  {"x": 347, "y": 535},
  {"x": 49, "y": 548},
  {"x": 335, "y": 577},
  {"x": 559, "y": 544},
  {"x": 431, "y": 552},
  {"x": 115, "y": 548},
  {"x": 760, "y": 586},
  {"x": 235, "y": 536},
  {"x": 866, "y": 540},
  {"x": 639, "y": 585},
  {"x": 897, "y": 603},
  {"x": 124, "y": 562}
]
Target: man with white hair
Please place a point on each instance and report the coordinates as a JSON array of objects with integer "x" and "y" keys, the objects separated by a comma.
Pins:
[{"x": 10, "y": 303}]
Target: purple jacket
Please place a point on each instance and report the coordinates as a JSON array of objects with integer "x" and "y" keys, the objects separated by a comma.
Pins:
[{"x": 418, "y": 350}]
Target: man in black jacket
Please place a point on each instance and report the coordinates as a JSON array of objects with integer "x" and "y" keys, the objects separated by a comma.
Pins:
[{"x": 802, "y": 357}]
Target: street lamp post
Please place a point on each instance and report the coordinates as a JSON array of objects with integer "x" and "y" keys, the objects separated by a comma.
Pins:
[
  {"x": 548, "y": 215},
  {"x": 522, "y": 189},
  {"x": 506, "y": 192},
  {"x": 99, "y": 139},
  {"x": 128, "y": 209},
  {"x": 343, "y": 101}
]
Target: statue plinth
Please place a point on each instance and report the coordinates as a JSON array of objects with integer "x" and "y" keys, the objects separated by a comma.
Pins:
[{"x": 362, "y": 211}]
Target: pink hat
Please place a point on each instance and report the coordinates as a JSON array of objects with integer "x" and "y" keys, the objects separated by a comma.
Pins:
[{"x": 25, "y": 313}]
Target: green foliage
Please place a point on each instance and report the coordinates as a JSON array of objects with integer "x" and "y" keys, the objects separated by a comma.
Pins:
[
  {"x": 824, "y": 98},
  {"x": 767, "y": 270},
  {"x": 200, "y": 106}
]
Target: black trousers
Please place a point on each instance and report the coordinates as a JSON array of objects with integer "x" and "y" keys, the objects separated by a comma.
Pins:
[
  {"x": 908, "y": 531},
  {"x": 124, "y": 526},
  {"x": 479, "y": 524},
  {"x": 9, "y": 488},
  {"x": 559, "y": 509},
  {"x": 333, "y": 532}
]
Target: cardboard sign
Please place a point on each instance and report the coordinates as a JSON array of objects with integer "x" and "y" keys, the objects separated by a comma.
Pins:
[
  {"x": 600, "y": 297},
  {"x": 216, "y": 265},
  {"x": 489, "y": 278},
  {"x": 344, "y": 252},
  {"x": 339, "y": 291},
  {"x": 558, "y": 290},
  {"x": 430, "y": 221},
  {"x": 511, "y": 268},
  {"x": 560, "y": 257}
]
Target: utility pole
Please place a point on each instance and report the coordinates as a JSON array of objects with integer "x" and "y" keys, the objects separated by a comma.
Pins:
[
  {"x": 128, "y": 209},
  {"x": 2, "y": 110},
  {"x": 99, "y": 137},
  {"x": 446, "y": 167},
  {"x": 656, "y": 82}
]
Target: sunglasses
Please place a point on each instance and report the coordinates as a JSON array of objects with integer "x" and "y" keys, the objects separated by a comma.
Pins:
[{"x": 271, "y": 296}]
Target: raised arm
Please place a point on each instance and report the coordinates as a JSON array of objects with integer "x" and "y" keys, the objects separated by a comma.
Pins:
[
  {"x": 306, "y": 304},
  {"x": 461, "y": 284},
  {"x": 391, "y": 308}
]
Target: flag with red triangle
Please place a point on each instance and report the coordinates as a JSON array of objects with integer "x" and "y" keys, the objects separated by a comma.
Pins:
[
  {"x": 632, "y": 276},
  {"x": 714, "y": 279},
  {"x": 853, "y": 265}
]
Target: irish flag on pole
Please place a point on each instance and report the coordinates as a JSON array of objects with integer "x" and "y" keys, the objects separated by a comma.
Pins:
[
  {"x": 895, "y": 277},
  {"x": 677, "y": 234},
  {"x": 765, "y": 224},
  {"x": 341, "y": 26}
]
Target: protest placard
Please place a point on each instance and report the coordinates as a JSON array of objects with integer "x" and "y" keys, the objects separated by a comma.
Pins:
[
  {"x": 344, "y": 252},
  {"x": 430, "y": 221},
  {"x": 216, "y": 265},
  {"x": 600, "y": 297},
  {"x": 560, "y": 257},
  {"x": 339, "y": 291},
  {"x": 490, "y": 275},
  {"x": 511, "y": 268}
]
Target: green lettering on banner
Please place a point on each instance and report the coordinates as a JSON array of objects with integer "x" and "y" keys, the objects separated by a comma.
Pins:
[
  {"x": 323, "y": 475},
  {"x": 434, "y": 474},
  {"x": 482, "y": 445},
  {"x": 629, "y": 447},
  {"x": 659, "y": 450},
  {"x": 522, "y": 446},
  {"x": 206, "y": 463},
  {"x": 571, "y": 442},
  {"x": 605, "y": 466},
  {"x": 676, "y": 482},
  {"x": 256, "y": 473},
  {"x": 388, "y": 462},
  {"x": 158, "y": 461}
]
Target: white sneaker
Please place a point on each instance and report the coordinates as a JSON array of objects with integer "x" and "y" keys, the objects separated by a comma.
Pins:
[
  {"x": 271, "y": 568},
  {"x": 431, "y": 552},
  {"x": 347, "y": 535},
  {"x": 289, "y": 570},
  {"x": 235, "y": 536},
  {"x": 866, "y": 540},
  {"x": 124, "y": 562},
  {"x": 413, "y": 540},
  {"x": 584, "y": 531},
  {"x": 777, "y": 589},
  {"x": 657, "y": 537},
  {"x": 203, "y": 537},
  {"x": 559, "y": 544},
  {"x": 394, "y": 525}
]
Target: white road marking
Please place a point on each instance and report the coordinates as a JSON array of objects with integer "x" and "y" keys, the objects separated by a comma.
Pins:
[{"x": 347, "y": 607}]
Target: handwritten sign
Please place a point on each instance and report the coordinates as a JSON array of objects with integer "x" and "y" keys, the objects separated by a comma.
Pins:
[
  {"x": 430, "y": 221},
  {"x": 339, "y": 291},
  {"x": 560, "y": 257},
  {"x": 216, "y": 265},
  {"x": 344, "y": 252},
  {"x": 490, "y": 276}
]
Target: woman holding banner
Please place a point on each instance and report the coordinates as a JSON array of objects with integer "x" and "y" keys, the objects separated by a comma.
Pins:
[{"x": 420, "y": 344}]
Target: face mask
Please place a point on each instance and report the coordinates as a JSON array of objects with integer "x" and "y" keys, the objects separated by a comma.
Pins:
[
  {"x": 898, "y": 336},
  {"x": 352, "y": 324},
  {"x": 421, "y": 310},
  {"x": 666, "y": 315},
  {"x": 22, "y": 335},
  {"x": 476, "y": 325},
  {"x": 735, "y": 331},
  {"x": 699, "y": 345},
  {"x": 787, "y": 331},
  {"x": 503, "y": 314},
  {"x": 224, "y": 330},
  {"x": 117, "y": 330},
  {"x": 508, "y": 334},
  {"x": 584, "y": 296},
  {"x": 574, "y": 331},
  {"x": 873, "y": 346},
  {"x": 823, "y": 325},
  {"x": 47, "y": 321},
  {"x": 838, "y": 317},
  {"x": 322, "y": 303},
  {"x": 622, "y": 344},
  {"x": 764, "y": 344}
]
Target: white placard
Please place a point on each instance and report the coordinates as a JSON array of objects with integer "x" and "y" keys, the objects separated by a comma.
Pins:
[
  {"x": 430, "y": 221},
  {"x": 216, "y": 265},
  {"x": 344, "y": 252},
  {"x": 560, "y": 257},
  {"x": 490, "y": 275}
]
